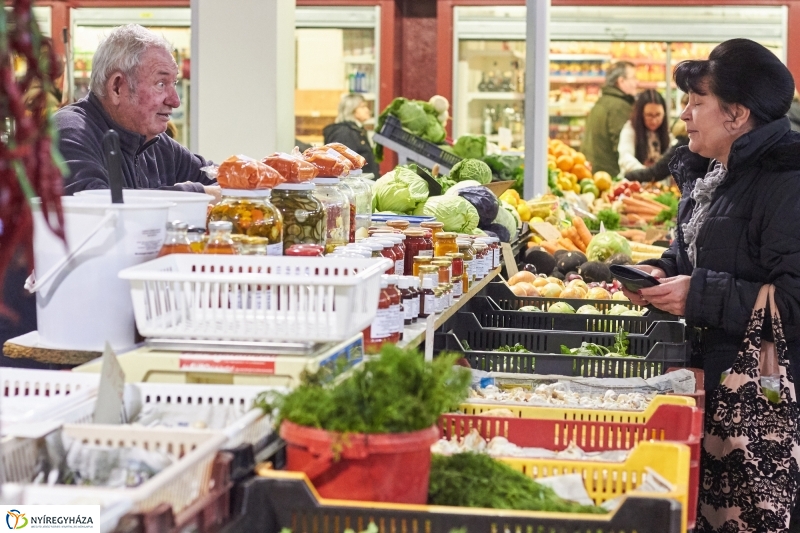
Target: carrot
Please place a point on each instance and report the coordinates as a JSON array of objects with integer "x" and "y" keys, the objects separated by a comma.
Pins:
[
  {"x": 549, "y": 247},
  {"x": 575, "y": 238},
  {"x": 568, "y": 244},
  {"x": 583, "y": 231},
  {"x": 638, "y": 206}
]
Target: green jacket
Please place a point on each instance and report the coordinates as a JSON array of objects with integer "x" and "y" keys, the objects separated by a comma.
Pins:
[{"x": 603, "y": 125}]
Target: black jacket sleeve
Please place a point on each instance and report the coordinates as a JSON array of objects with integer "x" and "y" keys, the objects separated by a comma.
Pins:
[{"x": 656, "y": 172}]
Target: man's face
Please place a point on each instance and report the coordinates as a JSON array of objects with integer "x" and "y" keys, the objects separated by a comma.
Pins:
[
  {"x": 628, "y": 84},
  {"x": 147, "y": 109}
]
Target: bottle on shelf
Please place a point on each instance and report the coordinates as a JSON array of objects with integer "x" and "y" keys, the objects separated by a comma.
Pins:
[
  {"x": 177, "y": 241},
  {"x": 491, "y": 84},
  {"x": 482, "y": 86},
  {"x": 427, "y": 299},
  {"x": 488, "y": 123},
  {"x": 219, "y": 239}
]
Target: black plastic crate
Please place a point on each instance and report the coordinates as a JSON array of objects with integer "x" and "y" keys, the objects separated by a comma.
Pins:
[
  {"x": 393, "y": 130},
  {"x": 490, "y": 314},
  {"x": 270, "y": 504}
]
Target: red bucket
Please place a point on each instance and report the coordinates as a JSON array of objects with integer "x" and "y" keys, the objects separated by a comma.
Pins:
[{"x": 382, "y": 468}]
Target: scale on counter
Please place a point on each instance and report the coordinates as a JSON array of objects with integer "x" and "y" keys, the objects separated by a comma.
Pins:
[{"x": 233, "y": 362}]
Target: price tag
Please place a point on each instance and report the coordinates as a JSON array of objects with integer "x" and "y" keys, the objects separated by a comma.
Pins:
[
  {"x": 509, "y": 259},
  {"x": 430, "y": 331},
  {"x": 547, "y": 231},
  {"x": 108, "y": 409}
]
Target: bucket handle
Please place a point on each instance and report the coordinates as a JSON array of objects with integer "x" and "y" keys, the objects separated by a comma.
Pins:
[{"x": 33, "y": 285}]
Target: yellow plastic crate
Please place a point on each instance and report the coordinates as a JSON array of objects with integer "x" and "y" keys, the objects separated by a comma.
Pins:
[
  {"x": 569, "y": 413},
  {"x": 607, "y": 480}
]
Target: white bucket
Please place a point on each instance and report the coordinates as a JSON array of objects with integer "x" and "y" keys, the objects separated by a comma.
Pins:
[
  {"x": 80, "y": 301},
  {"x": 190, "y": 207}
]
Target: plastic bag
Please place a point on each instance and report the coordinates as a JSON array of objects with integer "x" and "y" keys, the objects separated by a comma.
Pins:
[
  {"x": 293, "y": 168},
  {"x": 329, "y": 162},
  {"x": 242, "y": 172},
  {"x": 355, "y": 159}
]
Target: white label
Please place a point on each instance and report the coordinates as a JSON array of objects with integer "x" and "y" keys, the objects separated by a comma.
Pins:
[
  {"x": 383, "y": 324},
  {"x": 469, "y": 269},
  {"x": 148, "y": 242},
  {"x": 433, "y": 277},
  {"x": 497, "y": 257},
  {"x": 408, "y": 309},
  {"x": 397, "y": 318},
  {"x": 399, "y": 266},
  {"x": 275, "y": 249},
  {"x": 458, "y": 288},
  {"x": 430, "y": 304},
  {"x": 425, "y": 253},
  {"x": 416, "y": 304},
  {"x": 439, "y": 304}
]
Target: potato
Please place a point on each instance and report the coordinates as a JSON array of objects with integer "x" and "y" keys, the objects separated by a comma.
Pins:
[
  {"x": 523, "y": 275},
  {"x": 598, "y": 293},
  {"x": 540, "y": 282},
  {"x": 529, "y": 289},
  {"x": 578, "y": 283},
  {"x": 572, "y": 293},
  {"x": 556, "y": 281},
  {"x": 551, "y": 290},
  {"x": 518, "y": 290}
]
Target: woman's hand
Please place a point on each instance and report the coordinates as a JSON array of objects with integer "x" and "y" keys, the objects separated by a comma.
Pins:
[
  {"x": 670, "y": 295},
  {"x": 635, "y": 298}
]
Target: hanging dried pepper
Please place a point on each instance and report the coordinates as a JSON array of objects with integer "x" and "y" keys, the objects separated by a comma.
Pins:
[{"x": 30, "y": 165}]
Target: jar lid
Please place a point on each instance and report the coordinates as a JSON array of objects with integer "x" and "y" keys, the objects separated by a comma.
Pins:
[
  {"x": 395, "y": 238},
  {"x": 442, "y": 262},
  {"x": 255, "y": 240},
  {"x": 428, "y": 268},
  {"x": 446, "y": 235},
  {"x": 456, "y": 255},
  {"x": 423, "y": 259},
  {"x": 355, "y": 172},
  {"x": 327, "y": 181},
  {"x": 398, "y": 223},
  {"x": 374, "y": 246},
  {"x": 387, "y": 243},
  {"x": 403, "y": 282},
  {"x": 431, "y": 224},
  {"x": 384, "y": 282},
  {"x": 414, "y": 233},
  {"x": 392, "y": 279},
  {"x": 196, "y": 229},
  {"x": 306, "y": 186},
  {"x": 177, "y": 225},
  {"x": 247, "y": 193}
]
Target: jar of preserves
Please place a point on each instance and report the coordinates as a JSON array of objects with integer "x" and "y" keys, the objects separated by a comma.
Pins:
[
  {"x": 430, "y": 272},
  {"x": 253, "y": 246},
  {"x": 303, "y": 215},
  {"x": 363, "y": 194},
  {"x": 415, "y": 245},
  {"x": 380, "y": 330},
  {"x": 396, "y": 308},
  {"x": 177, "y": 240},
  {"x": 427, "y": 299},
  {"x": 399, "y": 250},
  {"x": 484, "y": 261},
  {"x": 434, "y": 227},
  {"x": 305, "y": 250},
  {"x": 443, "y": 268},
  {"x": 337, "y": 212},
  {"x": 388, "y": 252},
  {"x": 194, "y": 235},
  {"x": 398, "y": 224},
  {"x": 219, "y": 238},
  {"x": 458, "y": 274},
  {"x": 494, "y": 249},
  {"x": 444, "y": 243},
  {"x": 420, "y": 261},
  {"x": 251, "y": 213},
  {"x": 465, "y": 247}
]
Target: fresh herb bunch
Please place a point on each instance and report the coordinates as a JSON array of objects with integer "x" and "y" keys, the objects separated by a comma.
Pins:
[
  {"x": 477, "y": 480},
  {"x": 619, "y": 349},
  {"x": 396, "y": 392},
  {"x": 608, "y": 217},
  {"x": 516, "y": 348}
]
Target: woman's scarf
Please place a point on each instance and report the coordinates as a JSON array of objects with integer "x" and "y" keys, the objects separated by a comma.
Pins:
[{"x": 703, "y": 192}]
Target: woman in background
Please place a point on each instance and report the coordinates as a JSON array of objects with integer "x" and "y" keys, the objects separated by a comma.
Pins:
[
  {"x": 349, "y": 130},
  {"x": 645, "y": 137},
  {"x": 660, "y": 170}
]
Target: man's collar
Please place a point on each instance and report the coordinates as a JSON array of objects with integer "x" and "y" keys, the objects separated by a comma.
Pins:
[{"x": 129, "y": 141}]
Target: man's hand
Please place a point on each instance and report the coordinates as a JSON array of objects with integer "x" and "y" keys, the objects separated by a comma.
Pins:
[
  {"x": 214, "y": 191},
  {"x": 635, "y": 298},
  {"x": 670, "y": 295}
]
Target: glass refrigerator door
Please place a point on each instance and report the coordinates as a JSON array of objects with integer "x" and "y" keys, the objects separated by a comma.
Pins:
[
  {"x": 337, "y": 53},
  {"x": 91, "y": 25}
]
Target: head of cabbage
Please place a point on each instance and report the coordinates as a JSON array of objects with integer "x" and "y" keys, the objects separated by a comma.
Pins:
[
  {"x": 400, "y": 190},
  {"x": 471, "y": 169},
  {"x": 507, "y": 220},
  {"x": 604, "y": 245},
  {"x": 454, "y": 212}
]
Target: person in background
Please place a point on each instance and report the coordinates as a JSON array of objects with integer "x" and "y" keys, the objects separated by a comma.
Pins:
[
  {"x": 349, "y": 130},
  {"x": 608, "y": 116},
  {"x": 132, "y": 91},
  {"x": 660, "y": 170},
  {"x": 794, "y": 112},
  {"x": 53, "y": 98},
  {"x": 645, "y": 137}
]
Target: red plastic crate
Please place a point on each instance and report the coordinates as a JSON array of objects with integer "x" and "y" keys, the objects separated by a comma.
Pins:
[{"x": 675, "y": 423}]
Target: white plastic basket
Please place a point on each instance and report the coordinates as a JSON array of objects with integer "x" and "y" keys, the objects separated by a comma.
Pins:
[
  {"x": 179, "y": 485},
  {"x": 41, "y": 394},
  {"x": 255, "y": 298}
]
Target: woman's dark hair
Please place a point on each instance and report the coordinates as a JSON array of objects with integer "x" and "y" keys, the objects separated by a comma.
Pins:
[
  {"x": 650, "y": 96},
  {"x": 741, "y": 71}
]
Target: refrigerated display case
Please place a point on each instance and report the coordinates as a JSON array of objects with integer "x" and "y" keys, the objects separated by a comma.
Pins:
[
  {"x": 489, "y": 58},
  {"x": 91, "y": 25},
  {"x": 337, "y": 52}
]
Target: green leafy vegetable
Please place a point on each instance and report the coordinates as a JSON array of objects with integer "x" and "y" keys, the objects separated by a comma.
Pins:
[
  {"x": 471, "y": 169},
  {"x": 477, "y": 480},
  {"x": 397, "y": 392},
  {"x": 400, "y": 190},
  {"x": 604, "y": 245},
  {"x": 456, "y": 213},
  {"x": 608, "y": 217},
  {"x": 516, "y": 348},
  {"x": 470, "y": 146},
  {"x": 417, "y": 117},
  {"x": 619, "y": 348}
]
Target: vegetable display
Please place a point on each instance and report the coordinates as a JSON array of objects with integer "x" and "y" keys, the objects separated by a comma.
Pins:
[
  {"x": 470, "y": 146},
  {"x": 423, "y": 119},
  {"x": 605, "y": 245},
  {"x": 399, "y": 191},
  {"x": 477, "y": 480},
  {"x": 456, "y": 213},
  {"x": 619, "y": 349},
  {"x": 484, "y": 201},
  {"x": 471, "y": 169}
]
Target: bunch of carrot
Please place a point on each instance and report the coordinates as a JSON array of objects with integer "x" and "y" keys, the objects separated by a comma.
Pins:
[
  {"x": 574, "y": 239},
  {"x": 640, "y": 208}
]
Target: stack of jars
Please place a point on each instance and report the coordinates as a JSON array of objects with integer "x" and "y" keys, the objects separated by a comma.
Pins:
[{"x": 183, "y": 239}]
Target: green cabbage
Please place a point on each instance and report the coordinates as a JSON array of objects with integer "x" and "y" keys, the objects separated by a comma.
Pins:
[
  {"x": 454, "y": 212},
  {"x": 470, "y": 146},
  {"x": 434, "y": 131},
  {"x": 471, "y": 169},
  {"x": 400, "y": 190},
  {"x": 507, "y": 220},
  {"x": 462, "y": 185},
  {"x": 604, "y": 245},
  {"x": 514, "y": 213},
  {"x": 413, "y": 117}
]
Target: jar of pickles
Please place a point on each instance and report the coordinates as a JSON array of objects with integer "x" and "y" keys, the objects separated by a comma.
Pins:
[
  {"x": 337, "y": 212},
  {"x": 363, "y": 195},
  {"x": 348, "y": 191},
  {"x": 444, "y": 243},
  {"x": 304, "y": 219},
  {"x": 251, "y": 213}
]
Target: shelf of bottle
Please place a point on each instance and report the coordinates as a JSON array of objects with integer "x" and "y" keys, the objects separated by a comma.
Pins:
[
  {"x": 359, "y": 60},
  {"x": 495, "y": 96},
  {"x": 578, "y": 79},
  {"x": 579, "y": 57}
]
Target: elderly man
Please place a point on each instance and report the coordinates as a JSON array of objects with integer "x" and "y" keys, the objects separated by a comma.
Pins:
[
  {"x": 608, "y": 116},
  {"x": 132, "y": 91}
]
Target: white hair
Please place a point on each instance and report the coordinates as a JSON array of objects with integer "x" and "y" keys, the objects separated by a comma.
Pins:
[
  {"x": 122, "y": 51},
  {"x": 347, "y": 107}
]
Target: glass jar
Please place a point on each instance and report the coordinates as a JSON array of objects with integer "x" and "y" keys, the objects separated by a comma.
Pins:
[
  {"x": 363, "y": 192},
  {"x": 251, "y": 214},
  {"x": 194, "y": 235},
  {"x": 397, "y": 309},
  {"x": 427, "y": 299},
  {"x": 398, "y": 224},
  {"x": 388, "y": 252},
  {"x": 305, "y": 250},
  {"x": 399, "y": 250},
  {"x": 219, "y": 238},
  {"x": 494, "y": 249},
  {"x": 420, "y": 261},
  {"x": 303, "y": 215},
  {"x": 444, "y": 243},
  {"x": 434, "y": 227},
  {"x": 253, "y": 246},
  {"x": 415, "y": 244},
  {"x": 428, "y": 242},
  {"x": 431, "y": 273},
  {"x": 177, "y": 240},
  {"x": 375, "y": 247},
  {"x": 484, "y": 260},
  {"x": 465, "y": 247},
  {"x": 380, "y": 330},
  {"x": 443, "y": 270},
  {"x": 409, "y": 311},
  {"x": 458, "y": 274},
  {"x": 337, "y": 212},
  {"x": 351, "y": 213}
]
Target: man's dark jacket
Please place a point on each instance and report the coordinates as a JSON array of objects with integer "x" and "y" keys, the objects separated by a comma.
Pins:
[
  {"x": 751, "y": 237},
  {"x": 603, "y": 125},
  {"x": 355, "y": 138},
  {"x": 160, "y": 163}
]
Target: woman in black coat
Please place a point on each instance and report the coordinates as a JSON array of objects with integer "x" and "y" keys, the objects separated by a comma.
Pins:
[{"x": 349, "y": 130}]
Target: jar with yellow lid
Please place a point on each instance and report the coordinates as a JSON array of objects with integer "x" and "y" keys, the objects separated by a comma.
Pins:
[
  {"x": 443, "y": 271},
  {"x": 251, "y": 214},
  {"x": 430, "y": 272},
  {"x": 420, "y": 261},
  {"x": 444, "y": 243},
  {"x": 434, "y": 227},
  {"x": 398, "y": 224}
]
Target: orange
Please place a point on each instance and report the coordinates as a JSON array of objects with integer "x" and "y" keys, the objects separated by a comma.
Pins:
[
  {"x": 581, "y": 171},
  {"x": 602, "y": 180},
  {"x": 562, "y": 150},
  {"x": 565, "y": 162},
  {"x": 579, "y": 158}
]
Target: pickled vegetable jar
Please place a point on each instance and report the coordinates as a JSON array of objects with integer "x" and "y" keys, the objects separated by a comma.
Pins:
[
  {"x": 304, "y": 220},
  {"x": 251, "y": 213},
  {"x": 348, "y": 191},
  {"x": 337, "y": 212},
  {"x": 363, "y": 194}
]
